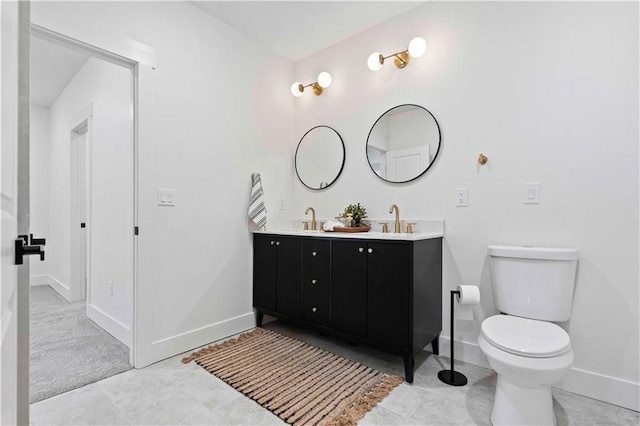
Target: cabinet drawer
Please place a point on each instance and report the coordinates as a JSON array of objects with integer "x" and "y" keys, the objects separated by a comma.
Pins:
[
  {"x": 316, "y": 287},
  {"x": 316, "y": 308},
  {"x": 316, "y": 257}
]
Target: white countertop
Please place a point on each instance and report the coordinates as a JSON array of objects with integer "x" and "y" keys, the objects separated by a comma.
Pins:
[{"x": 371, "y": 235}]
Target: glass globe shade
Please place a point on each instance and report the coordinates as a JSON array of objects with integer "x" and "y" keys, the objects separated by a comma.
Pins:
[
  {"x": 295, "y": 91},
  {"x": 417, "y": 47},
  {"x": 374, "y": 61},
  {"x": 324, "y": 79}
]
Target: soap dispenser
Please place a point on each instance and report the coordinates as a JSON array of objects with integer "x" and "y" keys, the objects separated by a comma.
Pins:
[{"x": 350, "y": 220}]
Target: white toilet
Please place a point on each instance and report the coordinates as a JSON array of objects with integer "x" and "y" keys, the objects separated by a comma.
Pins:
[{"x": 533, "y": 286}]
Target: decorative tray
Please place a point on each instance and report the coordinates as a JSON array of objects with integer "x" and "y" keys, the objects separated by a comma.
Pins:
[{"x": 351, "y": 229}]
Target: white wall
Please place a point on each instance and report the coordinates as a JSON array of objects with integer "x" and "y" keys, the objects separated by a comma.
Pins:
[
  {"x": 213, "y": 121},
  {"x": 39, "y": 188},
  {"x": 549, "y": 92},
  {"x": 104, "y": 90}
]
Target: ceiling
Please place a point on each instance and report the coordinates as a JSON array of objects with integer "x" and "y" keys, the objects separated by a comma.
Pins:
[
  {"x": 292, "y": 29},
  {"x": 52, "y": 68},
  {"x": 297, "y": 29}
]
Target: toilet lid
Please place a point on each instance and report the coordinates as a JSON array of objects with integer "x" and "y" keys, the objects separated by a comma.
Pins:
[{"x": 525, "y": 337}]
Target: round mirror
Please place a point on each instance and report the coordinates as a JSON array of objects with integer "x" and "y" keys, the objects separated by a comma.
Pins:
[
  {"x": 319, "y": 157},
  {"x": 403, "y": 143}
]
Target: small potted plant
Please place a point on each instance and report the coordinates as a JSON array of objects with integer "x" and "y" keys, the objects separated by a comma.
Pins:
[{"x": 357, "y": 212}]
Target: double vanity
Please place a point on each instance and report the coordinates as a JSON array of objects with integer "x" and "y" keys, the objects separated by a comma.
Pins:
[
  {"x": 375, "y": 288},
  {"x": 378, "y": 289}
]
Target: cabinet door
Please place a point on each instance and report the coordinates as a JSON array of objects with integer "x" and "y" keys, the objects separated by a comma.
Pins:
[
  {"x": 289, "y": 276},
  {"x": 349, "y": 286},
  {"x": 264, "y": 271},
  {"x": 388, "y": 296},
  {"x": 316, "y": 275}
]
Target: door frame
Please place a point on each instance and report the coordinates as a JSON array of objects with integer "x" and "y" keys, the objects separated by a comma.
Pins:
[
  {"x": 14, "y": 168},
  {"x": 134, "y": 66},
  {"x": 80, "y": 237}
]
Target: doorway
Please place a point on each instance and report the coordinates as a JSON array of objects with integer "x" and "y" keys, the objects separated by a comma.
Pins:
[
  {"x": 79, "y": 197},
  {"x": 83, "y": 201}
]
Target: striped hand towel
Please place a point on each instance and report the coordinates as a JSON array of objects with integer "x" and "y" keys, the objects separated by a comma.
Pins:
[{"x": 257, "y": 210}]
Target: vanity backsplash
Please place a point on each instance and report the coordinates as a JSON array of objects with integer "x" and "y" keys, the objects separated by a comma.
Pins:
[{"x": 420, "y": 225}]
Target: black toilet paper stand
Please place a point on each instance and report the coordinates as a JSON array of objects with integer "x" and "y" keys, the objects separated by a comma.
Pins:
[{"x": 452, "y": 377}]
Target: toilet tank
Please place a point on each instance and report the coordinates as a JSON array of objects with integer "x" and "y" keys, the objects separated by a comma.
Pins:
[{"x": 534, "y": 282}]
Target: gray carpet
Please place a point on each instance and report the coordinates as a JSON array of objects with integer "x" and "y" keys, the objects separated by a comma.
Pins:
[{"x": 67, "y": 349}]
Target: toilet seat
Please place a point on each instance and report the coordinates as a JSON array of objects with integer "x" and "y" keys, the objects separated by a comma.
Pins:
[{"x": 525, "y": 337}]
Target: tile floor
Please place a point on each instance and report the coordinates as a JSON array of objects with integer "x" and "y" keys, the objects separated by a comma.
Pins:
[{"x": 170, "y": 392}]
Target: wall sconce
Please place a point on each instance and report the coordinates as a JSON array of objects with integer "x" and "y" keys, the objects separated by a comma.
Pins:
[
  {"x": 324, "y": 81},
  {"x": 417, "y": 47}
]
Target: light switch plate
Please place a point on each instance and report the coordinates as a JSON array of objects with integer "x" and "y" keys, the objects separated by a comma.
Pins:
[
  {"x": 166, "y": 197},
  {"x": 532, "y": 193}
]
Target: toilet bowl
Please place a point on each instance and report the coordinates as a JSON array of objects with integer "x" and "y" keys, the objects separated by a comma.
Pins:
[
  {"x": 533, "y": 287},
  {"x": 529, "y": 356}
]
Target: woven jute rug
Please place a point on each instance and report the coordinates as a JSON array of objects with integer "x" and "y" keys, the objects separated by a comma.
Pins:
[{"x": 301, "y": 384}]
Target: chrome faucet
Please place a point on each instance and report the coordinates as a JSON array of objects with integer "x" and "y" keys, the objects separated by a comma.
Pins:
[
  {"x": 396, "y": 226},
  {"x": 314, "y": 225}
]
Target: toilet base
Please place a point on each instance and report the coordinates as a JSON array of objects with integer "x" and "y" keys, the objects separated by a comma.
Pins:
[{"x": 517, "y": 405}]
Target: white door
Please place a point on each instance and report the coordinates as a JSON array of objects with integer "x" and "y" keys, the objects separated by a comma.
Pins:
[
  {"x": 407, "y": 163},
  {"x": 79, "y": 198},
  {"x": 14, "y": 185}
]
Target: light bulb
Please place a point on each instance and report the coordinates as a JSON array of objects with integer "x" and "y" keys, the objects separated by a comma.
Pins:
[
  {"x": 417, "y": 47},
  {"x": 374, "y": 61},
  {"x": 295, "y": 89},
  {"x": 324, "y": 79}
]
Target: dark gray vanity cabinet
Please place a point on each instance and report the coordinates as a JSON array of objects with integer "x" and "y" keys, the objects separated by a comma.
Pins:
[
  {"x": 389, "y": 293},
  {"x": 349, "y": 286},
  {"x": 277, "y": 274},
  {"x": 383, "y": 293},
  {"x": 379, "y": 270}
]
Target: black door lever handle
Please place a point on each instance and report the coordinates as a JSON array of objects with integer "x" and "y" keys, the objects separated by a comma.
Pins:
[
  {"x": 22, "y": 250},
  {"x": 37, "y": 241}
]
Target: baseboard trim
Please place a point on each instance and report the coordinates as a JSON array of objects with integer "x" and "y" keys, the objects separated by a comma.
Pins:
[
  {"x": 36, "y": 280},
  {"x": 587, "y": 383},
  {"x": 111, "y": 325},
  {"x": 61, "y": 288},
  {"x": 464, "y": 351},
  {"x": 604, "y": 388},
  {"x": 184, "y": 342}
]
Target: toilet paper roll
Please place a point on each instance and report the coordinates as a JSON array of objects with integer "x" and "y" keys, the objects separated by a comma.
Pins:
[{"x": 469, "y": 296}]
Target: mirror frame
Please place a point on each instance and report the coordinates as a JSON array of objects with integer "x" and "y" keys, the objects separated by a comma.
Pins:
[
  {"x": 344, "y": 154},
  {"x": 435, "y": 156}
]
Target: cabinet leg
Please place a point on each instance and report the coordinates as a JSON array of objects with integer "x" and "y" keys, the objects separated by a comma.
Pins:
[
  {"x": 259, "y": 316},
  {"x": 435, "y": 345},
  {"x": 408, "y": 368}
]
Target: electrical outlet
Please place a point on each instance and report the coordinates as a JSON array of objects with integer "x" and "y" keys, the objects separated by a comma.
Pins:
[
  {"x": 110, "y": 283},
  {"x": 282, "y": 206},
  {"x": 462, "y": 195}
]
